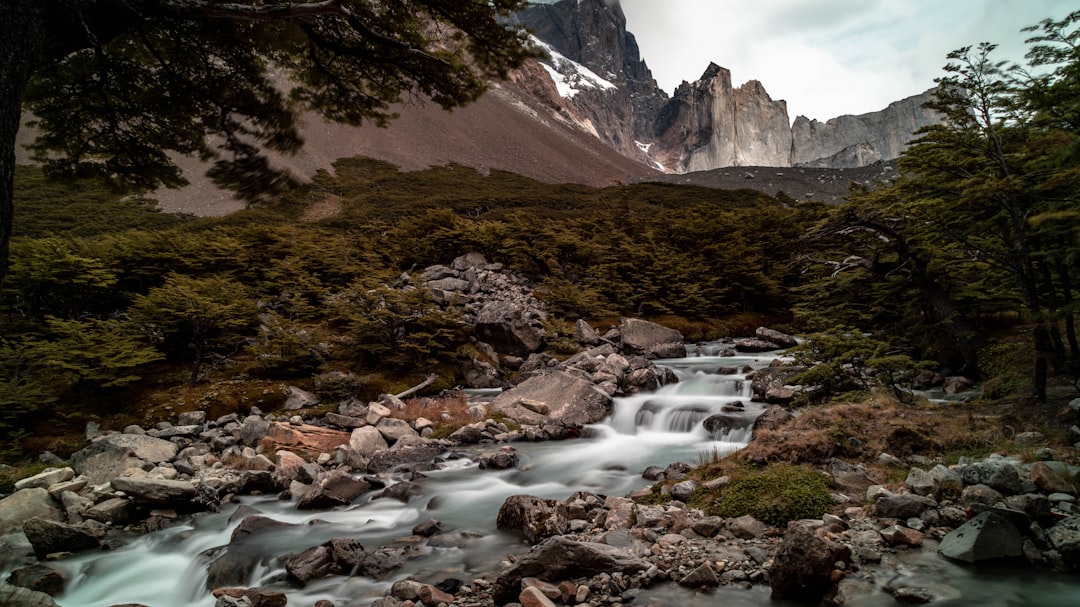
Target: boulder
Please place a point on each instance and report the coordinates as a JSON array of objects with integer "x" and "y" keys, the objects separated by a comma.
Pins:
[
  {"x": 511, "y": 327},
  {"x": 587, "y": 335},
  {"x": 921, "y": 482},
  {"x": 24, "y": 505},
  {"x": 702, "y": 576},
  {"x": 253, "y": 430},
  {"x": 985, "y": 537},
  {"x": 768, "y": 384},
  {"x": 499, "y": 460},
  {"x": 781, "y": 340},
  {"x": 773, "y": 418},
  {"x": 902, "y": 506},
  {"x": 48, "y": 537},
  {"x": 234, "y": 564},
  {"x": 40, "y": 578},
  {"x": 559, "y": 558},
  {"x": 299, "y": 399},
  {"x": 803, "y": 566},
  {"x": 157, "y": 492},
  {"x": 310, "y": 564},
  {"x": 651, "y": 340},
  {"x": 1065, "y": 537},
  {"x": 110, "y": 456},
  {"x": 753, "y": 346},
  {"x": 367, "y": 440},
  {"x": 114, "y": 511},
  {"x": 570, "y": 400},
  {"x": 393, "y": 429},
  {"x": 536, "y": 518},
  {"x": 996, "y": 473},
  {"x": 191, "y": 418},
  {"x": 1051, "y": 481},
  {"x": 337, "y": 488},
  {"x": 407, "y": 452}
]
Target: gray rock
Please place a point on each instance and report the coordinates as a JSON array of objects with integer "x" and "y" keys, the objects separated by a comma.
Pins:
[
  {"x": 781, "y": 340},
  {"x": 511, "y": 327},
  {"x": 48, "y": 537},
  {"x": 157, "y": 492},
  {"x": 684, "y": 490},
  {"x": 24, "y": 505},
  {"x": 699, "y": 577},
  {"x": 253, "y": 430},
  {"x": 921, "y": 482},
  {"x": 949, "y": 482},
  {"x": 310, "y": 564},
  {"x": 998, "y": 474},
  {"x": 299, "y": 399},
  {"x": 44, "y": 479},
  {"x": 109, "y": 457},
  {"x": 985, "y": 537},
  {"x": 558, "y": 558},
  {"x": 40, "y": 578},
  {"x": 406, "y": 453},
  {"x": 393, "y": 429},
  {"x": 500, "y": 460},
  {"x": 367, "y": 440},
  {"x": 651, "y": 340},
  {"x": 536, "y": 518},
  {"x": 14, "y": 596},
  {"x": 980, "y": 494},
  {"x": 337, "y": 488},
  {"x": 744, "y": 527},
  {"x": 751, "y": 346},
  {"x": 1065, "y": 537},
  {"x": 571, "y": 401},
  {"x": 803, "y": 565},
  {"x": 902, "y": 506},
  {"x": 114, "y": 511},
  {"x": 191, "y": 418}
]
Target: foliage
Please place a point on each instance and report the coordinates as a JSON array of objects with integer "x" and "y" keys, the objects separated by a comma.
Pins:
[
  {"x": 775, "y": 495},
  {"x": 197, "y": 314}
]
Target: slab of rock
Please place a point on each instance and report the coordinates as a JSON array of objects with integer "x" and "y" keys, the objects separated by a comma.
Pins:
[
  {"x": 304, "y": 440},
  {"x": 299, "y": 399},
  {"x": 48, "y": 537},
  {"x": 113, "y": 511},
  {"x": 157, "y": 492},
  {"x": 109, "y": 457},
  {"x": 781, "y": 340},
  {"x": 902, "y": 506},
  {"x": 570, "y": 400},
  {"x": 985, "y": 537},
  {"x": 536, "y": 518},
  {"x": 24, "y": 505},
  {"x": 44, "y": 479},
  {"x": 558, "y": 558},
  {"x": 651, "y": 340}
]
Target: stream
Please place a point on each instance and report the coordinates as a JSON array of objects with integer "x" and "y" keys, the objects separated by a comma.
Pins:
[{"x": 168, "y": 568}]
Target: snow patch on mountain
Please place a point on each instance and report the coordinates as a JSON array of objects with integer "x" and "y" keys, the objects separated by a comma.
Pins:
[{"x": 570, "y": 77}]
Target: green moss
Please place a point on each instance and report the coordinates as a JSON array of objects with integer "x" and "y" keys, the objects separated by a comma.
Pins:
[{"x": 774, "y": 495}]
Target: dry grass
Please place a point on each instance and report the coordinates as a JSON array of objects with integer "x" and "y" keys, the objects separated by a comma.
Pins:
[
  {"x": 447, "y": 413},
  {"x": 862, "y": 430}
]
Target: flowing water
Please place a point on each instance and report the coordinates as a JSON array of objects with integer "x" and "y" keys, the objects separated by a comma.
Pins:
[{"x": 168, "y": 568}]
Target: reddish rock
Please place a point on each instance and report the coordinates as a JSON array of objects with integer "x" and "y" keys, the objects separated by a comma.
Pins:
[{"x": 303, "y": 440}]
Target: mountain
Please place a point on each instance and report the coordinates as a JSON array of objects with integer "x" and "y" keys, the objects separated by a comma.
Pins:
[
  {"x": 591, "y": 112},
  {"x": 706, "y": 124}
]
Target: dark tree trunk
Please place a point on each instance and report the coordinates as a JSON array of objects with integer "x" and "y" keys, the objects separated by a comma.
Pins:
[{"x": 1070, "y": 322}]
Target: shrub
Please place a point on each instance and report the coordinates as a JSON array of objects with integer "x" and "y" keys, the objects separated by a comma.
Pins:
[{"x": 775, "y": 495}]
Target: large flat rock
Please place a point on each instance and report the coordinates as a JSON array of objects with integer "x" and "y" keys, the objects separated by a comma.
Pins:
[{"x": 565, "y": 398}]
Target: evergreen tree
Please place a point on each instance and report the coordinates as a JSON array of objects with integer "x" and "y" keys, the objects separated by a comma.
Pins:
[{"x": 116, "y": 85}]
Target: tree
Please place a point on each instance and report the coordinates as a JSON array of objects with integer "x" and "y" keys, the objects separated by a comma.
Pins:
[
  {"x": 118, "y": 85},
  {"x": 197, "y": 314}
]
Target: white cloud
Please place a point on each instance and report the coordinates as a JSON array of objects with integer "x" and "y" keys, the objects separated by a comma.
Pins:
[{"x": 826, "y": 57}]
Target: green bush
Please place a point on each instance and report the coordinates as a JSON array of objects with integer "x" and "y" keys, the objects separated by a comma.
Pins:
[{"x": 775, "y": 495}]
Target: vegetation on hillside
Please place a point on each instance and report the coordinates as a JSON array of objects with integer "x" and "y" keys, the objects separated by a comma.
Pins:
[{"x": 963, "y": 266}]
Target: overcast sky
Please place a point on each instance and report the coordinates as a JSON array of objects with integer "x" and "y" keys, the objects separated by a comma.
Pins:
[{"x": 826, "y": 57}]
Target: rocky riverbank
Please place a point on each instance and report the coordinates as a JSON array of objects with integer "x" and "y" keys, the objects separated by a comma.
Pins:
[{"x": 589, "y": 548}]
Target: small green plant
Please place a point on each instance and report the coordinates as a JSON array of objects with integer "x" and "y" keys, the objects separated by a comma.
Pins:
[{"x": 775, "y": 495}]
